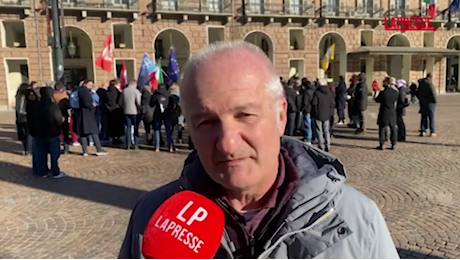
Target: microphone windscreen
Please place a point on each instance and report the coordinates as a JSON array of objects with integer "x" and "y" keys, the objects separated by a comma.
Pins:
[{"x": 187, "y": 225}]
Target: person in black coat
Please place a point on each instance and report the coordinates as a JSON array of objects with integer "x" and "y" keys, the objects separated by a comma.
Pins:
[
  {"x": 32, "y": 122},
  {"x": 292, "y": 100},
  {"x": 85, "y": 123},
  {"x": 403, "y": 102},
  {"x": 49, "y": 129},
  {"x": 104, "y": 133},
  {"x": 388, "y": 99},
  {"x": 147, "y": 112},
  {"x": 361, "y": 103},
  {"x": 161, "y": 102},
  {"x": 352, "y": 114},
  {"x": 307, "y": 95},
  {"x": 21, "y": 118},
  {"x": 115, "y": 117},
  {"x": 341, "y": 99},
  {"x": 322, "y": 109}
]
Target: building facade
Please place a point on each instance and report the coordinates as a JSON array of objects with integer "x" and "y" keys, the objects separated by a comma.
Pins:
[{"x": 295, "y": 34}]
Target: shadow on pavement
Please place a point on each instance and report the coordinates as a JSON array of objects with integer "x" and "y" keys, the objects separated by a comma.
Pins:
[
  {"x": 9, "y": 142},
  {"x": 409, "y": 254},
  {"x": 8, "y": 126},
  {"x": 105, "y": 193}
]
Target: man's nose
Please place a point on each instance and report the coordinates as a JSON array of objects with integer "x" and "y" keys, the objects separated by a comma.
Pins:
[{"x": 229, "y": 138}]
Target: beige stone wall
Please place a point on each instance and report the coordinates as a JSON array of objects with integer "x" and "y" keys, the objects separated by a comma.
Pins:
[{"x": 145, "y": 32}]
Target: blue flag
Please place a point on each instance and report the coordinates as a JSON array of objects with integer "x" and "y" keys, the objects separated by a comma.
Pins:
[
  {"x": 147, "y": 71},
  {"x": 173, "y": 66},
  {"x": 454, "y": 6}
]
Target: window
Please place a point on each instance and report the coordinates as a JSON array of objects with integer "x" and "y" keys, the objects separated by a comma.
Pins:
[
  {"x": 169, "y": 5},
  {"x": 215, "y": 5},
  {"x": 296, "y": 39},
  {"x": 215, "y": 34},
  {"x": 159, "y": 49},
  {"x": 294, "y": 6},
  {"x": 24, "y": 68},
  {"x": 367, "y": 38},
  {"x": 256, "y": 6},
  {"x": 14, "y": 34},
  {"x": 120, "y": 2},
  {"x": 265, "y": 46},
  {"x": 123, "y": 36},
  {"x": 130, "y": 69}
]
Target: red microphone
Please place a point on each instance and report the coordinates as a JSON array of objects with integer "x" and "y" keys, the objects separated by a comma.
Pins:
[{"x": 187, "y": 225}]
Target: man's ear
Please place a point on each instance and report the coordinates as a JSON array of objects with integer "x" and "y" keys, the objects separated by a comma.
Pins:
[{"x": 282, "y": 115}]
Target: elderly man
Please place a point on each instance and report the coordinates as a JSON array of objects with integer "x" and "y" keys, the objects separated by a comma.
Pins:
[{"x": 282, "y": 198}]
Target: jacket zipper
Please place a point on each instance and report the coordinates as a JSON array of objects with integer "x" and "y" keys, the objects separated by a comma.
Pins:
[
  {"x": 267, "y": 252},
  {"x": 252, "y": 244}
]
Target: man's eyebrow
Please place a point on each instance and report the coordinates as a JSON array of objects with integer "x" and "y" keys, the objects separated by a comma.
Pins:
[
  {"x": 247, "y": 106},
  {"x": 206, "y": 112}
]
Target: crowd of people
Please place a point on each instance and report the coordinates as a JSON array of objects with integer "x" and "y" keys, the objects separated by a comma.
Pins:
[
  {"x": 51, "y": 118},
  {"x": 312, "y": 107}
]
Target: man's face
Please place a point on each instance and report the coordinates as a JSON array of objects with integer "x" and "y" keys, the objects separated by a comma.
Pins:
[
  {"x": 90, "y": 85},
  {"x": 234, "y": 123}
]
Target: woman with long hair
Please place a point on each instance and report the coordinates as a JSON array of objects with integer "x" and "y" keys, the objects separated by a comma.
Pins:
[{"x": 21, "y": 119}]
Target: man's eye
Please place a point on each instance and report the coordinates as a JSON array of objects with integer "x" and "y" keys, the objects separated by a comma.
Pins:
[{"x": 245, "y": 116}]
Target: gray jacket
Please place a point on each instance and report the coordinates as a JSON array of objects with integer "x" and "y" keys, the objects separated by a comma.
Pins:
[
  {"x": 130, "y": 100},
  {"x": 351, "y": 225}
]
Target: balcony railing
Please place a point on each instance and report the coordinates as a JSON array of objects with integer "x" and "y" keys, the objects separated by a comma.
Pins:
[
  {"x": 12, "y": 3},
  {"x": 279, "y": 9},
  {"x": 130, "y": 5},
  {"x": 194, "y": 6},
  {"x": 352, "y": 12}
]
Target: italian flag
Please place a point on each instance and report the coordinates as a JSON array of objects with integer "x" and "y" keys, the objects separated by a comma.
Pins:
[
  {"x": 157, "y": 78},
  {"x": 431, "y": 7}
]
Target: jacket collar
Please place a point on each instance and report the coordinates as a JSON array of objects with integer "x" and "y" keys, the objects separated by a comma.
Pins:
[{"x": 312, "y": 166}]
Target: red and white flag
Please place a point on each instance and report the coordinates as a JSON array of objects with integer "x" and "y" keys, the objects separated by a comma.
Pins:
[
  {"x": 123, "y": 75},
  {"x": 104, "y": 61},
  {"x": 431, "y": 4}
]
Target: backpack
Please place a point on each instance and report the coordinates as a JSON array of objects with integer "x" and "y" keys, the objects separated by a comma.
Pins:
[
  {"x": 74, "y": 101},
  {"x": 175, "y": 110}
]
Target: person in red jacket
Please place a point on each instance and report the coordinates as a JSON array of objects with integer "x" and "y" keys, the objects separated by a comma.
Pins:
[{"x": 375, "y": 89}]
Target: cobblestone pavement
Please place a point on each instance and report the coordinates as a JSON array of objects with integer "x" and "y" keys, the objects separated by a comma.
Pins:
[{"x": 417, "y": 187}]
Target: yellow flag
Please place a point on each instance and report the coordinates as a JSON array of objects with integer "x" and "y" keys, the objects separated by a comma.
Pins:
[{"x": 327, "y": 57}]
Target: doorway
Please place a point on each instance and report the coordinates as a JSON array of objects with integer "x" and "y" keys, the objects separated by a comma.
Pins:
[
  {"x": 73, "y": 76},
  {"x": 17, "y": 72}
]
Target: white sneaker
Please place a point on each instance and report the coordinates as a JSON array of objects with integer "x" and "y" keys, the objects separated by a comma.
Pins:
[
  {"x": 309, "y": 143},
  {"x": 432, "y": 134},
  {"x": 91, "y": 143},
  {"x": 102, "y": 153},
  {"x": 60, "y": 175},
  {"x": 76, "y": 144}
]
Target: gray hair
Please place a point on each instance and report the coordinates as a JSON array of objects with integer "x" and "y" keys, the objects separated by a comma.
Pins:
[
  {"x": 322, "y": 82},
  {"x": 273, "y": 84},
  {"x": 50, "y": 84},
  {"x": 132, "y": 82}
]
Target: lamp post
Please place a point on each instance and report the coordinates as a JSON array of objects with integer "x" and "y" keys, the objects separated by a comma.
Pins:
[{"x": 58, "y": 60}]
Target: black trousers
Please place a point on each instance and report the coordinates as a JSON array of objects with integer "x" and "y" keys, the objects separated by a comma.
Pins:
[
  {"x": 361, "y": 120},
  {"x": 383, "y": 134},
  {"x": 401, "y": 128}
]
